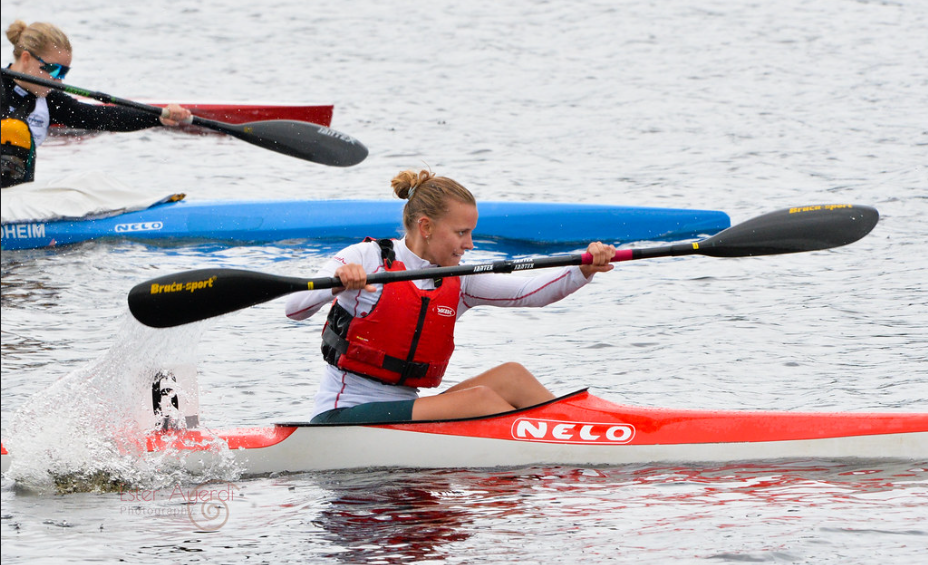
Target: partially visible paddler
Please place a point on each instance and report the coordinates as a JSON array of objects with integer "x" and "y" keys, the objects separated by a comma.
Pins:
[{"x": 28, "y": 110}]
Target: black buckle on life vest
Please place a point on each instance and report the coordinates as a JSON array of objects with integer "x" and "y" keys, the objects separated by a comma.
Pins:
[
  {"x": 338, "y": 346},
  {"x": 406, "y": 369}
]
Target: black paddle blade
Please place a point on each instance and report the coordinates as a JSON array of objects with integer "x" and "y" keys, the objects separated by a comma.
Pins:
[
  {"x": 191, "y": 296},
  {"x": 792, "y": 230},
  {"x": 302, "y": 140}
]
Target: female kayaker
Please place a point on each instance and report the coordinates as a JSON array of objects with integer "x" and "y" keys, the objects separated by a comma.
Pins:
[
  {"x": 44, "y": 51},
  {"x": 383, "y": 342}
]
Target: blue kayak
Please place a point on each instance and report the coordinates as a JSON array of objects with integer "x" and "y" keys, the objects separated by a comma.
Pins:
[{"x": 262, "y": 221}]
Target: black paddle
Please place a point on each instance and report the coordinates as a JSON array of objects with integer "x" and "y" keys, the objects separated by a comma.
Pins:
[
  {"x": 302, "y": 140},
  {"x": 191, "y": 296}
]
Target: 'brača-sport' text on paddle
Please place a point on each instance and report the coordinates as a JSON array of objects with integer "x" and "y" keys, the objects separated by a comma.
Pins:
[
  {"x": 191, "y": 296},
  {"x": 302, "y": 140}
]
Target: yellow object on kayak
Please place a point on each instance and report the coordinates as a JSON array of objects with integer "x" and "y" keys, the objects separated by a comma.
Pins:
[{"x": 15, "y": 132}]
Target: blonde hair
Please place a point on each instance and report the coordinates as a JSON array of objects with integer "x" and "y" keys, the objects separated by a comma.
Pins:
[
  {"x": 427, "y": 195},
  {"x": 39, "y": 38}
]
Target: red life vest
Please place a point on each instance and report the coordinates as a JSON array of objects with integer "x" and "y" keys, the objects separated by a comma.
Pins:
[{"x": 406, "y": 339}]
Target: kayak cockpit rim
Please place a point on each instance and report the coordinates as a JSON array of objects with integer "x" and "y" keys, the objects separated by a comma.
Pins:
[{"x": 439, "y": 421}]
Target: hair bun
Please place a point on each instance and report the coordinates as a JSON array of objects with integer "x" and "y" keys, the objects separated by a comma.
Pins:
[
  {"x": 405, "y": 184},
  {"x": 38, "y": 38},
  {"x": 15, "y": 31}
]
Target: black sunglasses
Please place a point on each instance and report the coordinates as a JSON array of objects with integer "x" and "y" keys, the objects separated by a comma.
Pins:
[{"x": 56, "y": 70}]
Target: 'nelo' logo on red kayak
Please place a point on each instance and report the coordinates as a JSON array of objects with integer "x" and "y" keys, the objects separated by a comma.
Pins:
[
  {"x": 556, "y": 431},
  {"x": 445, "y": 311}
]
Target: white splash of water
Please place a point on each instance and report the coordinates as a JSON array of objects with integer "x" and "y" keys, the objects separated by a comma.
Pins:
[{"x": 86, "y": 431}]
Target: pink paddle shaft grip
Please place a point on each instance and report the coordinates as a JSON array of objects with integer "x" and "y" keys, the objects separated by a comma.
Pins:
[{"x": 620, "y": 255}]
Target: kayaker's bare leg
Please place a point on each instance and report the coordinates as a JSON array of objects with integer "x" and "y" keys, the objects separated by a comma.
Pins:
[
  {"x": 512, "y": 382},
  {"x": 503, "y": 388}
]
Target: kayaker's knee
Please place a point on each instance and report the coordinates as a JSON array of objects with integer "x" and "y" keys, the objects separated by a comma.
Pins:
[
  {"x": 513, "y": 369},
  {"x": 517, "y": 374}
]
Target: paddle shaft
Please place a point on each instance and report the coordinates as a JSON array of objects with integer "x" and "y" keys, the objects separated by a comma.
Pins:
[
  {"x": 504, "y": 266},
  {"x": 302, "y": 140},
  {"x": 191, "y": 296}
]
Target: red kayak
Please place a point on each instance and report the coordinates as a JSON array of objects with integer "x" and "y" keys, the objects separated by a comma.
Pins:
[
  {"x": 575, "y": 429},
  {"x": 233, "y": 113},
  {"x": 242, "y": 113}
]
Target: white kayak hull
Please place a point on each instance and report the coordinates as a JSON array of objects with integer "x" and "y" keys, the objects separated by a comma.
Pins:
[{"x": 320, "y": 449}]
